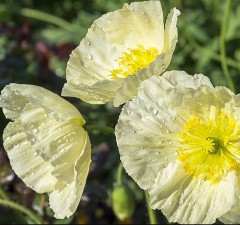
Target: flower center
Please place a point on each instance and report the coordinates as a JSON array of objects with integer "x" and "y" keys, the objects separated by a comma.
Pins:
[
  {"x": 133, "y": 60},
  {"x": 210, "y": 148}
]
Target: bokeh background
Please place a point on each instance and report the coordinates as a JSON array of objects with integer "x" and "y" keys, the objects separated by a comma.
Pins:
[{"x": 36, "y": 38}]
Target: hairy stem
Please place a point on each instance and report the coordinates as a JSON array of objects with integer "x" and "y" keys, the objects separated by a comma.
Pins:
[
  {"x": 151, "y": 213},
  {"x": 20, "y": 208},
  {"x": 222, "y": 45},
  {"x": 104, "y": 129}
]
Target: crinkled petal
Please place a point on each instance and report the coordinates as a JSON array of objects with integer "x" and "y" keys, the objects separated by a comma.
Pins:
[
  {"x": 145, "y": 139},
  {"x": 170, "y": 33},
  {"x": 177, "y": 78},
  {"x": 148, "y": 135},
  {"x": 27, "y": 164},
  {"x": 64, "y": 199},
  {"x": 14, "y": 98},
  {"x": 152, "y": 127},
  {"x": 47, "y": 145},
  {"x": 91, "y": 63},
  {"x": 187, "y": 200},
  {"x": 99, "y": 93},
  {"x": 231, "y": 217},
  {"x": 130, "y": 85},
  {"x": 137, "y": 23}
]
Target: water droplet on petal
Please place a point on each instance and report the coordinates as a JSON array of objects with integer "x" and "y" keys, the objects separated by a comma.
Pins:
[
  {"x": 155, "y": 112},
  {"x": 34, "y": 131},
  {"x": 7, "y": 138},
  {"x": 16, "y": 146},
  {"x": 89, "y": 57},
  {"x": 129, "y": 112}
]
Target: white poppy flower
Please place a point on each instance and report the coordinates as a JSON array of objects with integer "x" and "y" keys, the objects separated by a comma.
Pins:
[
  {"x": 121, "y": 49},
  {"x": 179, "y": 139},
  {"x": 46, "y": 144}
]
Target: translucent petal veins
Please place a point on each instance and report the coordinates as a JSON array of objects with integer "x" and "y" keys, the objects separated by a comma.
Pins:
[
  {"x": 133, "y": 60},
  {"x": 120, "y": 50},
  {"x": 47, "y": 145},
  {"x": 179, "y": 139},
  {"x": 210, "y": 148}
]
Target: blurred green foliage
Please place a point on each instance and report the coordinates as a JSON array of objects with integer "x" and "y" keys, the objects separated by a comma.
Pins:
[{"x": 36, "y": 38}]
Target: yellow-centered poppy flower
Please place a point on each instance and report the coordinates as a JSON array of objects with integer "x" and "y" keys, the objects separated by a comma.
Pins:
[
  {"x": 47, "y": 145},
  {"x": 179, "y": 139},
  {"x": 121, "y": 49}
]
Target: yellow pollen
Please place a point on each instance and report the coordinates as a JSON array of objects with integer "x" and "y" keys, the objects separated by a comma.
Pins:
[
  {"x": 210, "y": 148},
  {"x": 133, "y": 60}
]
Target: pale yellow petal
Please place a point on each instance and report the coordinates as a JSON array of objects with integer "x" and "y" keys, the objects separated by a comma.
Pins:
[
  {"x": 170, "y": 32},
  {"x": 15, "y": 97},
  {"x": 231, "y": 217},
  {"x": 145, "y": 136},
  {"x": 147, "y": 130},
  {"x": 91, "y": 63},
  {"x": 99, "y": 93},
  {"x": 47, "y": 145},
  {"x": 27, "y": 164},
  {"x": 150, "y": 132},
  {"x": 64, "y": 199},
  {"x": 187, "y": 200}
]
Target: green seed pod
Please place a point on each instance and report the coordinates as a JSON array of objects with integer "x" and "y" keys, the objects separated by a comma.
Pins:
[{"x": 123, "y": 202}]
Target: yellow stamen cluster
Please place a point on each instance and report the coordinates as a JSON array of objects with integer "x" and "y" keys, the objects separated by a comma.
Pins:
[
  {"x": 210, "y": 148},
  {"x": 133, "y": 60}
]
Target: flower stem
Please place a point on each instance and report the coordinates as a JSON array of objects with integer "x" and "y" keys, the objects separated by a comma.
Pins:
[
  {"x": 20, "y": 208},
  {"x": 36, "y": 14},
  {"x": 104, "y": 129},
  {"x": 151, "y": 212},
  {"x": 3, "y": 194},
  {"x": 222, "y": 45},
  {"x": 119, "y": 174}
]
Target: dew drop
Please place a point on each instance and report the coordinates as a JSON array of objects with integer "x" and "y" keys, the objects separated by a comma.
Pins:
[
  {"x": 34, "y": 131},
  {"x": 129, "y": 112},
  {"x": 155, "y": 112},
  {"x": 89, "y": 57},
  {"x": 7, "y": 138},
  {"x": 16, "y": 146}
]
